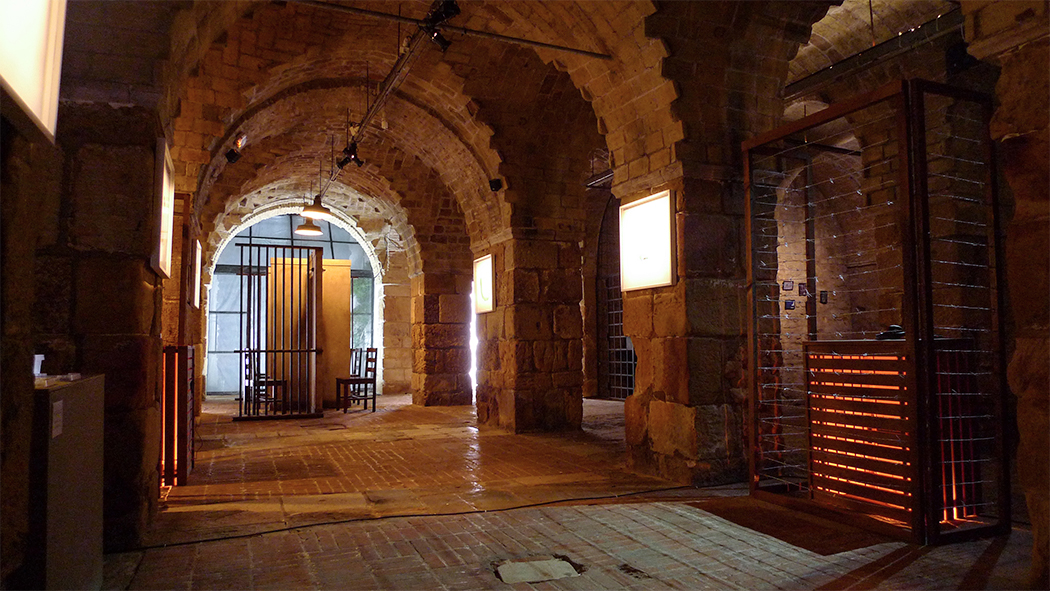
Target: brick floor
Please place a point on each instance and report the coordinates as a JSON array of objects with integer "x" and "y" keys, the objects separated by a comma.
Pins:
[{"x": 417, "y": 498}]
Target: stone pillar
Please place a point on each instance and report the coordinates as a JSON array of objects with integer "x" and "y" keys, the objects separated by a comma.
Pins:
[
  {"x": 441, "y": 339},
  {"x": 685, "y": 419},
  {"x": 530, "y": 353},
  {"x": 29, "y": 185},
  {"x": 397, "y": 325},
  {"x": 109, "y": 307},
  {"x": 1015, "y": 34}
]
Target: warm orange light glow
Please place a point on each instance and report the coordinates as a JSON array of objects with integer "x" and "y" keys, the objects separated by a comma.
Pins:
[
  {"x": 867, "y": 485},
  {"x": 865, "y": 471},
  {"x": 857, "y": 385},
  {"x": 860, "y": 456},
  {"x": 831, "y": 491},
  {"x": 850, "y": 440},
  {"x": 867, "y": 372},
  {"x": 858, "y": 399},
  {"x": 857, "y": 357},
  {"x": 855, "y": 413}
]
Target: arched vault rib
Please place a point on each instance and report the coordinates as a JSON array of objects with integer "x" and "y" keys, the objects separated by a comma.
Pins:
[{"x": 289, "y": 137}]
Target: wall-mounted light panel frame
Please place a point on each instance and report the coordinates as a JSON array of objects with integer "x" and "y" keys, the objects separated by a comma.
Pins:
[
  {"x": 484, "y": 285},
  {"x": 164, "y": 179},
  {"x": 197, "y": 274},
  {"x": 647, "y": 242},
  {"x": 31, "y": 34}
]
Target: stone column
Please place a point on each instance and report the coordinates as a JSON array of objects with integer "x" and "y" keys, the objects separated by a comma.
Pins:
[
  {"x": 1015, "y": 34},
  {"x": 441, "y": 339},
  {"x": 99, "y": 300},
  {"x": 685, "y": 418},
  {"x": 531, "y": 347}
]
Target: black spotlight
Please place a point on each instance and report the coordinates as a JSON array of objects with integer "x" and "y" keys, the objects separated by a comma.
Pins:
[
  {"x": 495, "y": 184},
  {"x": 350, "y": 155},
  {"x": 442, "y": 43}
]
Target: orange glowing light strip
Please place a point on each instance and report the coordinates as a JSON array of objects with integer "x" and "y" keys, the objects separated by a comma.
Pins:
[
  {"x": 856, "y": 455},
  {"x": 865, "y": 372},
  {"x": 163, "y": 422},
  {"x": 858, "y": 498},
  {"x": 857, "y": 357},
  {"x": 855, "y": 413},
  {"x": 858, "y": 399},
  {"x": 866, "y": 485},
  {"x": 851, "y": 440},
  {"x": 857, "y": 385},
  {"x": 855, "y": 427},
  {"x": 856, "y": 469},
  {"x": 175, "y": 425}
]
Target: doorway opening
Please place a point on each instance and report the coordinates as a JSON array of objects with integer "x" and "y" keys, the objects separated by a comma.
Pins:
[{"x": 251, "y": 308}]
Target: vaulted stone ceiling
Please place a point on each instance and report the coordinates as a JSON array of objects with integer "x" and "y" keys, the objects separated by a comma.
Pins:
[
  {"x": 847, "y": 30},
  {"x": 284, "y": 74}
]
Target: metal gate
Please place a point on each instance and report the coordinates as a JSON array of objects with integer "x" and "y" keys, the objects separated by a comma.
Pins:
[{"x": 279, "y": 295}]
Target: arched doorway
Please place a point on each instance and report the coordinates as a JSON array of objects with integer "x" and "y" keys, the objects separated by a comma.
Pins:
[{"x": 350, "y": 314}]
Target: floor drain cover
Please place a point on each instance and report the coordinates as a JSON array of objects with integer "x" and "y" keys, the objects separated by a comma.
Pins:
[{"x": 535, "y": 570}]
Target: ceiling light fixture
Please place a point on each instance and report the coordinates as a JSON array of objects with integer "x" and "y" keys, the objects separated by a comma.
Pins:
[
  {"x": 316, "y": 210},
  {"x": 308, "y": 228},
  {"x": 440, "y": 11}
]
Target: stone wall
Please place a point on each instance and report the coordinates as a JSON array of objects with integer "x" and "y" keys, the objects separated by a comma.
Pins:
[
  {"x": 1015, "y": 35},
  {"x": 30, "y": 180}
]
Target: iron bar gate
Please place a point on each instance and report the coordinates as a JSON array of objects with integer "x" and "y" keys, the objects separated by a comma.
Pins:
[{"x": 280, "y": 289}]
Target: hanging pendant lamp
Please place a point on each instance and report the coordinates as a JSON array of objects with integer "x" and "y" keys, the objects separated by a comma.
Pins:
[
  {"x": 308, "y": 228},
  {"x": 316, "y": 210}
]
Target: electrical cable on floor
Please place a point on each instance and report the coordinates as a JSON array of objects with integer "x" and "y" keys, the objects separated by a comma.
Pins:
[{"x": 383, "y": 517}]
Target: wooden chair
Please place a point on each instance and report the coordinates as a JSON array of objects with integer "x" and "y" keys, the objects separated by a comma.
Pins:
[
  {"x": 342, "y": 384},
  {"x": 259, "y": 387},
  {"x": 362, "y": 386}
]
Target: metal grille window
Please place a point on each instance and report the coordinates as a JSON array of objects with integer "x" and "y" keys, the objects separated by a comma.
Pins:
[
  {"x": 876, "y": 359},
  {"x": 621, "y": 359}
]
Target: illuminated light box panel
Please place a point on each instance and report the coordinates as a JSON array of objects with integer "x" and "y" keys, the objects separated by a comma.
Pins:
[
  {"x": 484, "y": 280},
  {"x": 647, "y": 243},
  {"x": 165, "y": 189},
  {"x": 31, "y": 33}
]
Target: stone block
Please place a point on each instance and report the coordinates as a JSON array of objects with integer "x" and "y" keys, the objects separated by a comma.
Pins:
[
  {"x": 711, "y": 245},
  {"x": 671, "y": 369},
  {"x": 636, "y": 417},
  {"x": 112, "y": 199},
  {"x": 715, "y": 307},
  {"x": 672, "y": 429},
  {"x": 114, "y": 296},
  {"x": 532, "y": 254},
  {"x": 439, "y": 283},
  {"x": 669, "y": 311},
  {"x": 426, "y": 309},
  {"x": 131, "y": 449},
  {"x": 706, "y": 368},
  {"x": 529, "y": 322},
  {"x": 638, "y": 314},
  {"x": 568, "y": 322},
  {"x": 524, "y": 286},
  {"x": 1027, "y": 248},
  {"x": 131, "y": 364},
  {"x": 441, "y": 336},
  {"x": 454, "y": 309},
  {"x": 563, "y": 286},
  {"x": 53, "y": 294}
]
